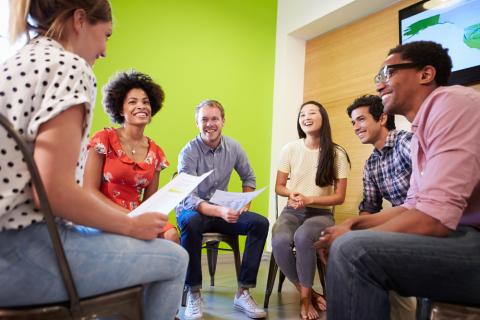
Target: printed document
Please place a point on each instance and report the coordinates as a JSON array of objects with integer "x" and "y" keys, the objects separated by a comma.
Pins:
[
  {"x": 234, "y": 200},
  {"x": 165, "y": 199}
]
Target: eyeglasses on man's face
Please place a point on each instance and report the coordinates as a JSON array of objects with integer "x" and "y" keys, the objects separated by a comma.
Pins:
[{"x": 387, "y": 70}]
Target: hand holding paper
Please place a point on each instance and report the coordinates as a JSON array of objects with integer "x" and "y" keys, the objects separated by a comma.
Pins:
[
  {"x": 234, "y": 200},
  {"x": 165, "y": 199}
]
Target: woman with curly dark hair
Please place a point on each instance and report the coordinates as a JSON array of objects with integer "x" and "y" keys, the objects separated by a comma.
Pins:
[{"x": 123, "y": 165}]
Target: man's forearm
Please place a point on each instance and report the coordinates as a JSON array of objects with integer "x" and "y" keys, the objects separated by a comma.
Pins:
[
  {"x": 415, "y": 222},
  {"x": 365, "y": 213},
  {"x": 208, "y": 209},
  {"x": 247, "y": 189},
  {"x": 374, "y": 220}
]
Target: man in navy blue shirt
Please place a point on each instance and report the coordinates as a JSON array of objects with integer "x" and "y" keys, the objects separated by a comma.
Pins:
[{"x": 210, "y": 150}]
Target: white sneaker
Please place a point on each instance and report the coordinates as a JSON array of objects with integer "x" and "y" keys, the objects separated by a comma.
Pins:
[
  {"x": 247, "y": 305},
  {"x": 194, "y": 309}
]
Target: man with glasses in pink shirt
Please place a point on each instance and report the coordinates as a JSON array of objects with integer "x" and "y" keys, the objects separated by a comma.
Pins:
[{"x": 430, "y": 245}]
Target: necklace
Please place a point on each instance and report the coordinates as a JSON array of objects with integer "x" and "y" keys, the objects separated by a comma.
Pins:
[
  {"x": 132, "y": 149},
  {"x": 131, "y": 146}
]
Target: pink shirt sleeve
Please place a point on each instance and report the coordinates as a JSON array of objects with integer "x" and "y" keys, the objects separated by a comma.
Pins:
[{"x": 445, "y": 155}]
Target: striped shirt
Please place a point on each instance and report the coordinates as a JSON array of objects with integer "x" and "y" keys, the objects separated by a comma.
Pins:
[{"x": 387, "y": 173}]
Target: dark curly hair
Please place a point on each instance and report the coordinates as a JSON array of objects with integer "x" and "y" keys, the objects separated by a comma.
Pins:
[
  {"x": 427, "y": 53},
  {"x": 375, "y": 108},
  {"x": 117, "y": 88}
]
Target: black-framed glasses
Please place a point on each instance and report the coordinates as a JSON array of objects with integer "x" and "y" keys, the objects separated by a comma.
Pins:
[{"x": 387, "y": 70}]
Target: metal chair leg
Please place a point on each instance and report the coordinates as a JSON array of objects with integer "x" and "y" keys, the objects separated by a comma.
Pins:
[
  {"x": 184, "y": 296},
  {"x": 281, "y": 280},
  {"x": 423, "y": 309},
  {"x": 322, "y": 272},
  {"x": 272, "y": 274},
  {"x": 212, "y": 255}
]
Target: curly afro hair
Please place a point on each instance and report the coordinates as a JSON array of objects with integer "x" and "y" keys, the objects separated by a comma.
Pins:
[{"x": 115, "y": 91}]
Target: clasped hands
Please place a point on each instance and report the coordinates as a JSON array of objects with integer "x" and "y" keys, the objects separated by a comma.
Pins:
[{"x": 296, "y": 200}]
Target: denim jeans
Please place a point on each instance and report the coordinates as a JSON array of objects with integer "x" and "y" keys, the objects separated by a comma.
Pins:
[
  {"x": 100, "y": 262},
  {"x": 299, "y": 228},
  {"x": 364, "y": 265},
  {"x": 192, "y": 224}
]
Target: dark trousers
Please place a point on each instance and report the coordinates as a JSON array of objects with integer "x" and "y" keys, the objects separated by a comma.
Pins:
[
  {"x": 193, "y": 224},
  {"x": 364, "y": 265}
]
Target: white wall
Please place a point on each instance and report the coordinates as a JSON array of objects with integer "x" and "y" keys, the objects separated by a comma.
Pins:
[{"x": 298, "y": 21}]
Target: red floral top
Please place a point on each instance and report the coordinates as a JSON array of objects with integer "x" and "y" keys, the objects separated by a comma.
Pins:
[{"x": 124, "y": 179}]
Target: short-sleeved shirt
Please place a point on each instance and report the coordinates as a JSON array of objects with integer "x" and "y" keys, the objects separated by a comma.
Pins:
[
  {"x": 387, "y": 172},
  {"x": 124, "y": 180},
  {"x": 36, "y": 84},
  {"x": 445, "y": 181},
  {"x": 196, "y": 158},
  {"x": 301, "y": 164}
]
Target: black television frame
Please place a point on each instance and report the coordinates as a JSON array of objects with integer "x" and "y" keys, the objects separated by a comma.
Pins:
[{"x": 466, "y": 76}]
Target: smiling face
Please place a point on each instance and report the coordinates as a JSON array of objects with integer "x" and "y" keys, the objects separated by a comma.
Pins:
[
  {"x": 210, "y": 123},
  {"x": 136, "y": 108},
  {"x": 367, "y": 129},
  {"x": 397, "y": 92},
  {"x": 310, "y": 119}
]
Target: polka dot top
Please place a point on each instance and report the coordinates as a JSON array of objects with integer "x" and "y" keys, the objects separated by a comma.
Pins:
[{"x": 37, "y": 84}]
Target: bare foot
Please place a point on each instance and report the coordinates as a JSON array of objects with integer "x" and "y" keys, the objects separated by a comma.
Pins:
[
  {"x": 319, "y": 301},
  {"x": 307, "y": 310}
]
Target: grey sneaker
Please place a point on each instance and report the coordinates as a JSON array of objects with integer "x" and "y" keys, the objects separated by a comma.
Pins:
[
  {"x": 194, "y": 309},
  {"x": 247, "y": 305}
]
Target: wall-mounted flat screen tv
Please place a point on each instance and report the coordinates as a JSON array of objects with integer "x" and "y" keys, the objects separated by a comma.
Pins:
[{"x": 453, "y": 23}]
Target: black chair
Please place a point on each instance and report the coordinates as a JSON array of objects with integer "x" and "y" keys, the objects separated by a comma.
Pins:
[
  {"x": 273, "y": 268},
  {"x": 211, "y": 241},
  {"x": 436, "y": 310},
  {"x": 444, "y": 311},
  {"x": 125, "y": 303}
]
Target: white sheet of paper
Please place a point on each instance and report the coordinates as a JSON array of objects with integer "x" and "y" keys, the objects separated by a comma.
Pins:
[
  {"x": 234, "y": 200},
  {"x": 165, "y": 199}
]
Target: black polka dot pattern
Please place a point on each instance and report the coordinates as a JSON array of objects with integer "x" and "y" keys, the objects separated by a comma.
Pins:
[{"x": 37, "y": 84}]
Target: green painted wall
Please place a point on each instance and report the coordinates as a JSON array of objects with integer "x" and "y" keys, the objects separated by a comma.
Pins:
[{"x": 199, "y": 49}]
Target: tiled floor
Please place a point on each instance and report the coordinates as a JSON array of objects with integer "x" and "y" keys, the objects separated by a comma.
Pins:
[{"x": 218, "y": 300}]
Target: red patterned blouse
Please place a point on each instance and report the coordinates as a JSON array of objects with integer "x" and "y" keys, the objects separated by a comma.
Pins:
[{"x": 123, "y": 179}]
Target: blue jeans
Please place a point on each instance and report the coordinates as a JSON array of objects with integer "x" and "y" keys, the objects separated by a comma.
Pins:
[
  {"x": 100, "y": 262},
  {"x": 364, "y": 265},
  {"x": 193, "y": 224}
]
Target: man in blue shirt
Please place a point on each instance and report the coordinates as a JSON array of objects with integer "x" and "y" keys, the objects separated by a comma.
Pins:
[
  {"x": 387, "y": 171},
  {"x": 210, "y": 150}
]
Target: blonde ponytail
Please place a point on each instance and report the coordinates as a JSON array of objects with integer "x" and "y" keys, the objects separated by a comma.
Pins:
[
  {"x": 48, "y": 17},
  {"x": 18, "y": 18}
]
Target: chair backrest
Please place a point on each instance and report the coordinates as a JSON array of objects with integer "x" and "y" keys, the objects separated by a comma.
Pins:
[{"x": 49, "y": 217}]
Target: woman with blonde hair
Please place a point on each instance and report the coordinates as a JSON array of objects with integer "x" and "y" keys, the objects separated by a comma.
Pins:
[{"x": 47, "y": 91}]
